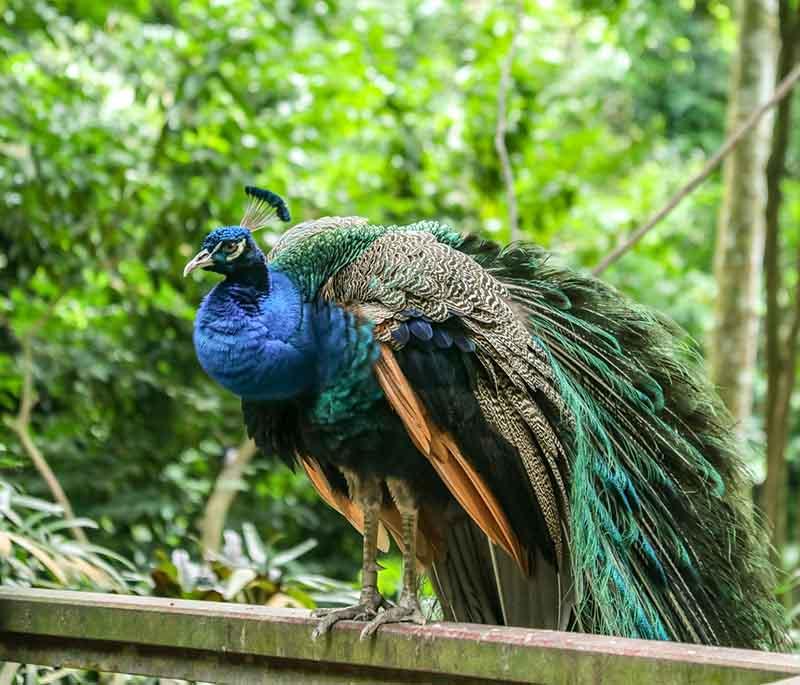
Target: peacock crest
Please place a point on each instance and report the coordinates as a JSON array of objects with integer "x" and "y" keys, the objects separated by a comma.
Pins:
[{"x": 263, "y": 205}]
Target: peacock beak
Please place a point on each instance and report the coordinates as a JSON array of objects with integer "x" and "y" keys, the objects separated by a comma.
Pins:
[{"x": 200, "y": 260}]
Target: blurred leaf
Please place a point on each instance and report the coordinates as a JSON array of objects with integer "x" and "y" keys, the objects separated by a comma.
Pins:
[
  {"x": 255, "y": 545},
  {"x": 237, "y": 581},
  {"x": 291, "y": 554},
  {"x": 36, "y": 551},
  {"x": 5, "y": 544}
]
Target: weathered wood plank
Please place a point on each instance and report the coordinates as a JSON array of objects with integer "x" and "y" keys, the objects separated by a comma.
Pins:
[
  {"x": 196, "y": 665},
  {"x": 252, "y": 644}
]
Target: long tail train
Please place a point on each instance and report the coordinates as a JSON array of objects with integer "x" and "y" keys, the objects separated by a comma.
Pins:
[{"x": 663, "y": 541}]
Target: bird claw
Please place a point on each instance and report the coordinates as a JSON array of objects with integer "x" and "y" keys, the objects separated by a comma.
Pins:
[
  {"x": 359, "y": 612},
  {"x": 365, "y": 610},
  {"x": 407, "y": 611}
]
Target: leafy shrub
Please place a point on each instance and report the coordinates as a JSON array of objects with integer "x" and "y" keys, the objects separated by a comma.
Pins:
[
  {"x": 248, "y": 570},
  {"x": 38, "y": 550}
]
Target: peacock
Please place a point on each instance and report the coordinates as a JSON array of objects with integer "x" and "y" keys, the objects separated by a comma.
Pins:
[{"x": 546, "y": 450}]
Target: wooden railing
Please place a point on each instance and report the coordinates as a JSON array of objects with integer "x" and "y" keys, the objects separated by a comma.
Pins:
[{"x": 235, "y": 643}]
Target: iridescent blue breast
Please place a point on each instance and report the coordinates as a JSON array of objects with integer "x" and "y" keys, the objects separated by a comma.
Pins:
[{"x": 257, "y": 343}]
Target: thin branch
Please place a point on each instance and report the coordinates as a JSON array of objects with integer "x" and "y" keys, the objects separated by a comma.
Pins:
[
  {"x": 21, "y": 426},
  {"x": 225, "y": 489},
  {"x": 783, "y": 89},
  {"x": 502, "y": 126}
]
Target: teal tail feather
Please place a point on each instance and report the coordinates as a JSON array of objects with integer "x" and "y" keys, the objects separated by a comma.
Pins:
[{"x": 664, "y": 541}]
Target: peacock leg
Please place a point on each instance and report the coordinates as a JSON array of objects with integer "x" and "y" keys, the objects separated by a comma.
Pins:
[
  {"x": 368, "y": 494},
  {"x": 407, "y": 609}
]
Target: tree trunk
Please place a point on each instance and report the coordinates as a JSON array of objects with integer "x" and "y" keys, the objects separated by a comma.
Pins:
[
  {"x": 782, "y": 323},
  {"x": 741, "y": 228}
]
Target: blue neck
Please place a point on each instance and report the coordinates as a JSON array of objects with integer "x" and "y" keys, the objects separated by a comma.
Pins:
[
  {"x": 254, "y": 275},
  {"x": 256, "y": 337}
]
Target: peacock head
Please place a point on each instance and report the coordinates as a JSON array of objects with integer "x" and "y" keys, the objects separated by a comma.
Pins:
[
  {"x": 231, "y": 249},
  {"x": 226, "y": 250}
]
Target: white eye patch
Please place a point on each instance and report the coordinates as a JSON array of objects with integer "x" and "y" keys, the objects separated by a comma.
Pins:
[{"x": 233, "y": 254}]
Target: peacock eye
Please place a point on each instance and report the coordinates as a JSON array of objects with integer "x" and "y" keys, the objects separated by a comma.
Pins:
[{"x": 228, "y": 247}]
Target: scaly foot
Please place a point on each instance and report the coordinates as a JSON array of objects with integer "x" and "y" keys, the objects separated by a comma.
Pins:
[
  {"x": 366, "y": 609},
  {"x": 407, "y": 611}
]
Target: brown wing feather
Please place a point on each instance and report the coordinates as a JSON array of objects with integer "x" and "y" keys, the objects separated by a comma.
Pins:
[
  {"x": 343, "y": 504},
  {"x": 461, "y": 479}
]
